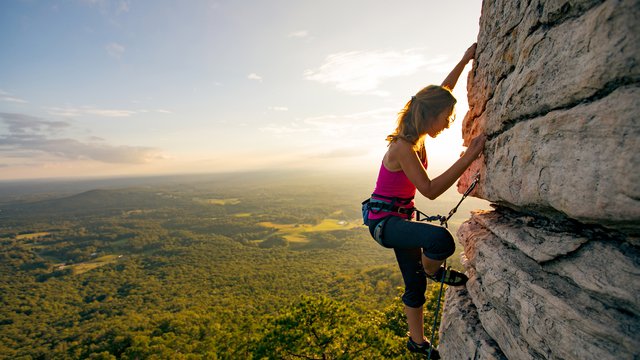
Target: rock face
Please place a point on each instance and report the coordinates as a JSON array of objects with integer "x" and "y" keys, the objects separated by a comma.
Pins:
[{"x": 555, "y": 269}]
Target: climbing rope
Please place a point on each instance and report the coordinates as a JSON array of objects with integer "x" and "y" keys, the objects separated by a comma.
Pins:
[
  {"x": 435, "y": 318},
  {"x": 443, "y": 222}
]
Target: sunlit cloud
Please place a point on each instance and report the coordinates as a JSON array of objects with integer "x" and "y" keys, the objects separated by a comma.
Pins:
[
  {"x": 335, "y": 127},
  {"x": 351, "y": 138},
  {"x": 331, "y": 123},
  {"x": 286, "y": 129},
  {"x": 91, "y": 111},
  {"x": 278, "y": 108},
  {"x": 29, "y": 137},
  {"x": 254, "y": 76},
  {"x": 344, "y": 152},
  {"x": 75, "y": 150},
  {"x": 22, "y": 124},
  {"x": 5, "y": 96},
  {"x": 115, "y": 50},
  {"x": 75, "y": 112},
  {"x": 299, "y": 34},
  {"x": 361, "y": 72}
]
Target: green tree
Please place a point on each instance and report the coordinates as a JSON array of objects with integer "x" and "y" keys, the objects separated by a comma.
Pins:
[{"x": 321, "y": 328}]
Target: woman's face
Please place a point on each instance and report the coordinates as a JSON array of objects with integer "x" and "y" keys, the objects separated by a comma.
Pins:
[{"x": 442, "y": 121}]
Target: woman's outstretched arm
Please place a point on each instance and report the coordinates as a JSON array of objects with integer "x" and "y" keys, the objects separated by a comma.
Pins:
[
  {"x": 403, "y": 152},
  {"x": 452, "y": 78}
]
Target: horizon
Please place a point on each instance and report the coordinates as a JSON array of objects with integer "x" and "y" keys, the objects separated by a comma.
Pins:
[
  {"x": 302, "y": 172},
  {"x": 113, "y": 88},
  {"x": 15, "y": 190}
]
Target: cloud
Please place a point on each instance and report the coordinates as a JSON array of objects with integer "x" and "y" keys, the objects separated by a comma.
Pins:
[
  {"x": 21, "y": 124},
  {"x": 91, "y": 111},
  {"x": 30, "y": 137},
  {"x": 74, "y": 149},
  {"x": 361, "y": 72},
  {"x": 351, "y": 140},
  {"x": 254, "y": 76},
  {"x": 336, "y": 127},
  {"x": 345, "y": 152},
  {"x": 278, "y": 108},
  {"x": 115, "y": 50},
  {"x": 287, "y": 129},
  {"x": 299, "y": 34},
  {"x": 5, "y": 96}
]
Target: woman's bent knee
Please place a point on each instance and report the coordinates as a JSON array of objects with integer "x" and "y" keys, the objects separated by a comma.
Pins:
[
  {"x": 414, "y": 299},
  {"x": 443, "y": 246}
]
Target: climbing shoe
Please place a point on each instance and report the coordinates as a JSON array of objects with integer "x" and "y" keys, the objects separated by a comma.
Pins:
[
  {"x": 449, "y": 277},
  {"x": 423, "y": 348}
]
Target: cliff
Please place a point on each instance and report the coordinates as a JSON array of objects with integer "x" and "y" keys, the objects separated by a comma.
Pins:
[{"x": 555, "y": 268}]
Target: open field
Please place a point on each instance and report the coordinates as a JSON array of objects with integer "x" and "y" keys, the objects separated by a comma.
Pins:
[
  {"x": 296, "y": 232},
  {"x": 242, "y": 215},
  {"x": 83, "y": 267},
  {"x": 32, "y": 236},
  {"x": 232, "y": 201}
]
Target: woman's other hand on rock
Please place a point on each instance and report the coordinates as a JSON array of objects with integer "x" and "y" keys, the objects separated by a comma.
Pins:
[
  {"x": 470, "y": 54},
  {"x": 476, "y": 146}
]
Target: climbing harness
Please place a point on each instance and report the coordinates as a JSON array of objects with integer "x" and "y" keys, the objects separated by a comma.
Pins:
[{"x": 377, "y": 203}]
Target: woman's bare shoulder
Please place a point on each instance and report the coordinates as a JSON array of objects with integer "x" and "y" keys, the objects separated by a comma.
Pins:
[
  {"x": 401, "y": 147},
  {"x": 397, "y": 150}
]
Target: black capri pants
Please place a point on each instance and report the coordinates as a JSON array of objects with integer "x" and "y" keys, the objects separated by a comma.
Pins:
[{"x": 409, "y": 240}]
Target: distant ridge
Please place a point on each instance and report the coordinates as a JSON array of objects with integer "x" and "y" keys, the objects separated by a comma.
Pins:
[
  {"x": 19, "y": 190},
  {"x": 98, "y": 200}
]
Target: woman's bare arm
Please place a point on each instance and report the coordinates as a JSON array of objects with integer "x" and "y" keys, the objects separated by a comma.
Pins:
[
  {"x": 454, "y": 75},
  {"x": 402, "y": 153}
]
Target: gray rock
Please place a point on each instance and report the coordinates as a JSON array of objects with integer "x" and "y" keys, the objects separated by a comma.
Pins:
[
  {"x": 554, "y": 271},
  {"x": 607, "y": 269},
  {"x": 465, "y": 337},
  {"x": 533, "y": 313},
  {"x": 534, "y": 58},
  {"x": 559, "y": 79},
  {"x": 560, "y": 67},
  {"x": 542, "y": 242},
  {"x": 575, "y": 163}
]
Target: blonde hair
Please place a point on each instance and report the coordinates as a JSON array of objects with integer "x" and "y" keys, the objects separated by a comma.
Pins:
[{"x": 419, "y": 114}]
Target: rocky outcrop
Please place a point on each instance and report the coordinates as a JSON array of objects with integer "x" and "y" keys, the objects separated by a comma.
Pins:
[
  {"x": 538, "y": 300},
  {"x": 555, "y": 268}
]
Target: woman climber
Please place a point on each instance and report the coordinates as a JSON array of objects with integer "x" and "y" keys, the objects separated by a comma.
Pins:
[{"x": 420, "y": 248}]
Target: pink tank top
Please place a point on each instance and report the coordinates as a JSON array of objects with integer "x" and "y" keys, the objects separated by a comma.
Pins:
[{"x": 394, "y": 184}]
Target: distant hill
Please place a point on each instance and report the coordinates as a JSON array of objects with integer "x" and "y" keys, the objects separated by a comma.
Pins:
[{"x": 94, "y": 201}]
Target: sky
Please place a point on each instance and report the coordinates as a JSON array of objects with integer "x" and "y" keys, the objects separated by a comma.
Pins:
[{"x": 100, "y": 88}]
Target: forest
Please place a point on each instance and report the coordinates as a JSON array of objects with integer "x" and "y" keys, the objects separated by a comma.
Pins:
[{"x": 228, "y": 266}]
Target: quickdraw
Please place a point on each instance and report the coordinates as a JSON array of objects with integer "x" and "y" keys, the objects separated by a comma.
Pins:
[{"x": 444, "y": 219}]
